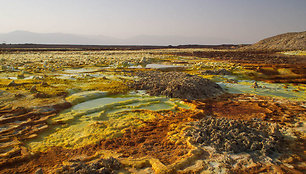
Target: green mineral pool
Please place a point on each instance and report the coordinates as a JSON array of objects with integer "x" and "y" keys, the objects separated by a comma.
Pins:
[{"x": 286, "y": 91}]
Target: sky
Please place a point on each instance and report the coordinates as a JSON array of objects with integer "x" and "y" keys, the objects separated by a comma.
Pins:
[{"x": 236, "y": 21}]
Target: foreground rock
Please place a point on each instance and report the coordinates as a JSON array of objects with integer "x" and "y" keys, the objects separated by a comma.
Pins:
[
  {"x": 227, "y": 135},
  {"x": 177, "y": 85},
  {"x": 102, "y": 166}
]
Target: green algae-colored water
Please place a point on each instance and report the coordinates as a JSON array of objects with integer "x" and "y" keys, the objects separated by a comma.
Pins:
[
  {"x": 240, "y": 85},
  {"x": 286, "y": 91},
  {"x": 110, "y": 104},
  {"x": 100, "y": 102}
]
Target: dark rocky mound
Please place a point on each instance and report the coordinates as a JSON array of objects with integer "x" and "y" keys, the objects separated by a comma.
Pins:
[
  {"x": 227, "y": 135},
  {"x": 217, "y": 72},
  {"x": 287, "y": 41},
  {"x": 103, "y": 166},
  {"x": 177, "y": 85}
]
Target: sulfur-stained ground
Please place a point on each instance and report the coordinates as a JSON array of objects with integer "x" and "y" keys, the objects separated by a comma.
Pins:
[{"x": 78, "y": 112}]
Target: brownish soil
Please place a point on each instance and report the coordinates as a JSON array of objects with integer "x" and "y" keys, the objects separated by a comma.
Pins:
[
  {"x": 260, "y": 61},
  {"x": 248, "y": 57},
  {"x": 270, "y": 73},
  {"x": 152, "y": 140},
  {"x": 246, "y": 107}
]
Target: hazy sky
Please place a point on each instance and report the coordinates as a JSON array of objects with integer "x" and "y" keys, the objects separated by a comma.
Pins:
[{"x": 236, "y": 20}]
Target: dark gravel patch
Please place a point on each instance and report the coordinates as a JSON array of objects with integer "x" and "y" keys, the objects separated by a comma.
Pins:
[
  {"x": 177, "y": 85},
  {"x": 217, "y": 72},
  {"x": 227, "y": 135},
  {"x": 103, "y": 166}
]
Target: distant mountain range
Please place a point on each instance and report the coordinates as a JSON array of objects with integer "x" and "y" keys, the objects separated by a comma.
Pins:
[{"x": 21, "y": 37}]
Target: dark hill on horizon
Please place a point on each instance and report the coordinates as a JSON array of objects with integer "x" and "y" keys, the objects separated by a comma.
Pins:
[{"x": 286, "y": 41}]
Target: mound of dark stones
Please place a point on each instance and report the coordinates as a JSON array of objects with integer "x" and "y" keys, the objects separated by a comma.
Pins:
[
  {"x": 177, "y": 85},
  {"x": 102, "y": 166},
  {"x": 217, "y": 72},
  {"x": 235, "y": 136}
]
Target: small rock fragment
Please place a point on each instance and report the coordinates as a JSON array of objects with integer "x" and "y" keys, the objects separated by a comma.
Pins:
[
  {"x": 39, "y": 171},
  {"x": 255, "y": 85},
  {"x": 12, "y": 83},
  {"x": 20, "y": 76},
  {"x": 44, "y": 84},
  {"x": 33, "y": 89}
]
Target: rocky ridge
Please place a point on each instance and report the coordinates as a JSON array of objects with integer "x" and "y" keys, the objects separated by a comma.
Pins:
[{"x": 286, "y": 41}]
